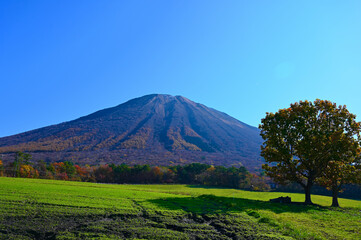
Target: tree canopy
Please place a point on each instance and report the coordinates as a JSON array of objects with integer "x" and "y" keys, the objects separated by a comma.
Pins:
[{"x": 301, "y": 142}]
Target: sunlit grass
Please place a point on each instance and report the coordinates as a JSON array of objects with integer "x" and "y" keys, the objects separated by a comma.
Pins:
[{"x": 19, "y": 196}]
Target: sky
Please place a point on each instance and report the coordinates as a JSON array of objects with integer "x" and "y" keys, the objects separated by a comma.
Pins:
[{"x": 60, "y": 60}]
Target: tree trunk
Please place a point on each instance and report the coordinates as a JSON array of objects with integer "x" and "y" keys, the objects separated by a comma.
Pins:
[
  {"x": 308, "y": 194},
  {"x": 335, "y": 197}
]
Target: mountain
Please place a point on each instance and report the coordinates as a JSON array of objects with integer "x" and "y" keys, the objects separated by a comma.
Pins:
[{"x": 154, "y": 129}]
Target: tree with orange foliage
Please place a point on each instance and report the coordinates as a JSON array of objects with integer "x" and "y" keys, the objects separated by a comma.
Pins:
[
  {"x": 156, "y": 174},
  {"x": 27, "y": 171},
  {"x": 63, "y": 170},
  {"x": 85, "y": 173}
]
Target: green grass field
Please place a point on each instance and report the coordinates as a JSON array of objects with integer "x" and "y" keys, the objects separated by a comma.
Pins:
[{"x": 46, "y": 209}]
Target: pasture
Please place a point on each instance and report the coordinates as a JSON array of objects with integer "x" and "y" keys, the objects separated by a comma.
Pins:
[{"x": 48, "y": 209}]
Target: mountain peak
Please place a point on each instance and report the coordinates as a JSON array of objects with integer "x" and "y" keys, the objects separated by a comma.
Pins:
[{"x": 153, "y": 129}]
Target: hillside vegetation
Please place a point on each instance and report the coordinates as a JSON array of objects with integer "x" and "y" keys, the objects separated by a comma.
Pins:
[
  {"x": 154, "y": 129},
  {"x": 48, "y": 209}
]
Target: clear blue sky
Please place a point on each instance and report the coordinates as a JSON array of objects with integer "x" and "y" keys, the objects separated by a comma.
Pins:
[{"x": 60, "y": 60}]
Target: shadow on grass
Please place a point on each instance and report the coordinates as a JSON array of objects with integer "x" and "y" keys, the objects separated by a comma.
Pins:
[
  {"x": 210, "y": 204},
  {"x": 209, "y": 187}
]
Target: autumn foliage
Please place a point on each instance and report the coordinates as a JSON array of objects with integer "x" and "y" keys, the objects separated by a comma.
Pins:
[
  {"x": 27, "y": 171},
  {"x": 312, "y": 142},
  {"x": 194, "y": 173}
]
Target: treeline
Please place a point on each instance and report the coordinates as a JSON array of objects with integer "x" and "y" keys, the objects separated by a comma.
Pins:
[{"x": 194, "y": 173}]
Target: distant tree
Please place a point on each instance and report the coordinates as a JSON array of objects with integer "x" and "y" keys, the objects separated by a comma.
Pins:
[
  {"x": 70, "y": 169},
  {"x": 140, "y": 174},
  {"x": 63, "y": 170},
  {"x": 169, "y": 176},
  {"x": 255, "y": 183},
  {"x": 85, "y": 173},
  {"x": 104, "y": 174},
  {"x": 121, "y": 172},
  {"x": 156, "y": 174},
  {"x": 187, "y": 173},
  {"x": 1, "y": 168},
  {"x": 302, "y": 140},
  {"x": 27, "y": 171},
  {"x": 51, "y": 171},
  {"x": 220, "y": 176},
  {"x": 20, "y": 159},
  {"x": 41, "y": 166}
]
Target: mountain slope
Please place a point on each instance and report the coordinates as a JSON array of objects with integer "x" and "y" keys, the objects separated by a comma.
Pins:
[{"x": 154, "y": 129}]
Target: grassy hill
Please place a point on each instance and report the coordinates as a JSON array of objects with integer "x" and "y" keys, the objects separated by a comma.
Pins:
[{"x": 46, "y": 209}]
